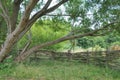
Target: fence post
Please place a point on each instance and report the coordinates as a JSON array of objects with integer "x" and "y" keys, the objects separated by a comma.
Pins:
[
  {"x": 88, "y": 57},
  {"x": 69, "y": 55},
  {"x": 107, "y": 57}
]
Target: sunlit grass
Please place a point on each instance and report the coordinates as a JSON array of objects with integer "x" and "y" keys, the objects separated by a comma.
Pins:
[{"x": 58, "y": 70}]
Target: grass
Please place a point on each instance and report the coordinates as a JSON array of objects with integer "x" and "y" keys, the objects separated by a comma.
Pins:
[{"x": 57, "y": 70}]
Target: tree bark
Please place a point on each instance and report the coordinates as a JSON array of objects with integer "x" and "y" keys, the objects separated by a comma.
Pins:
[{"x": 15, "y": 13}]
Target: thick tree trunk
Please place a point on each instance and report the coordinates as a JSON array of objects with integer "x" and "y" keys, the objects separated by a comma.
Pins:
[
  {"x": 7, "y": 47},
  {"x": 11, "y": 40}
]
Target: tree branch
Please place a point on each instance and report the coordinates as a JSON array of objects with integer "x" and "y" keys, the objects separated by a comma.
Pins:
[
  {"x": 15, "y": 12},
  {"x": 36, "y": 16},
  {"x": 25, "y": 18},
  {"x": 46, "y": 5},
  {"x": 30, "y": 7},
  {"x": 1, "y": 15},
  {"x": 5, "y": 16},
  {"x": 28, "y": 42},
  {"x": 45, "y": 10},
  {"x": 18, "y": 1},
  {"x": 41, "y": 12},
  {"x": 32, "y": 50},
  {"x": 4, "y": 9},
  {"x": 56, "y": 6},
  {"x": 64, "y": 15}
]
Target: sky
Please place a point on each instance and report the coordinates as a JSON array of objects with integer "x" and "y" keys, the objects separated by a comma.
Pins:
[{"x": 61, "y": 7}]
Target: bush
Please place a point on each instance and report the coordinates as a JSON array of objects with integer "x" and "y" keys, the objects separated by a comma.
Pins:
[
  {"x": 85, "y": 42},
  {"x": 45, "y": 33}
]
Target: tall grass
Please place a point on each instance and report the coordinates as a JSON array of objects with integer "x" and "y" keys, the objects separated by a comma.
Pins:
[{"x": 58, "y": 70}]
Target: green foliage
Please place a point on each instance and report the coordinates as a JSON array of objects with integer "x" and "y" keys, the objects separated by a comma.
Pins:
[
  {"x": 85, "y": 42},
  {"x": 94, "y": 14},
  {"x": 112, "y": 38},
  {"x": 59, "y": 70},
  {"x": 115, "y": 43},
  {"x": 45, "y": 31},
  {"x": 7, "y": 66},
  {"x": 75, "y": 8},
  {"x": 102, "y": 41}
]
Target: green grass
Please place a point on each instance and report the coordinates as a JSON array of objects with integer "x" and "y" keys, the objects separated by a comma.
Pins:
[{"x": 57, "y": 70}]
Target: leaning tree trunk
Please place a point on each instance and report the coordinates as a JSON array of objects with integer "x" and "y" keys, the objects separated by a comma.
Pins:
[
  {"x": 10, "y": 40},
  {"x": 8, "y": 45}
]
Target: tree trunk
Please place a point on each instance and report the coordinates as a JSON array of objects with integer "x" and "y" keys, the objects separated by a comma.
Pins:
[
  {"x": 7, "y": 47},
  {"x": 11, "y": 40}
]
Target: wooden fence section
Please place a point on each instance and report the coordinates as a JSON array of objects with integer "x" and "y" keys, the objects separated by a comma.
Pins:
[{"x": 101, "y": 58}]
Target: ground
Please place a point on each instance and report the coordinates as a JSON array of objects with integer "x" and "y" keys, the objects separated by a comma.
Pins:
[{"x": 57, "y": 70}]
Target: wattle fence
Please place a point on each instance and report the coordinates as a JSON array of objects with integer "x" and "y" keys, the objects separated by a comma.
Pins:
[{"x": 101, "y": 58}]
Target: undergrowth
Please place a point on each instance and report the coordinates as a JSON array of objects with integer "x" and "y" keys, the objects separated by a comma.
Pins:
[{"x": 56, "y": 70}]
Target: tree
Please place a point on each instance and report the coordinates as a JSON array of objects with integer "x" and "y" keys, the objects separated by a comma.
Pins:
[{"x": 16, "y": 28}]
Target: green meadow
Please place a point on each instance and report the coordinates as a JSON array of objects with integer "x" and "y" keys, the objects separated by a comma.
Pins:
[{"x": 56, "y": 70}]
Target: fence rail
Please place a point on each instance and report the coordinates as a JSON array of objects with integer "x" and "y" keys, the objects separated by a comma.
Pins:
[{"x": 102, "y": 58}]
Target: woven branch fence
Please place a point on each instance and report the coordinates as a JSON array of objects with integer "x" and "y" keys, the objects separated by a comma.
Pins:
[{"x": 101, "y": 58}]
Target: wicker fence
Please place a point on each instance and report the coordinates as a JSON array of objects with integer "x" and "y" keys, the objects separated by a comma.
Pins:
[{"x": 101, "y": 58}]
